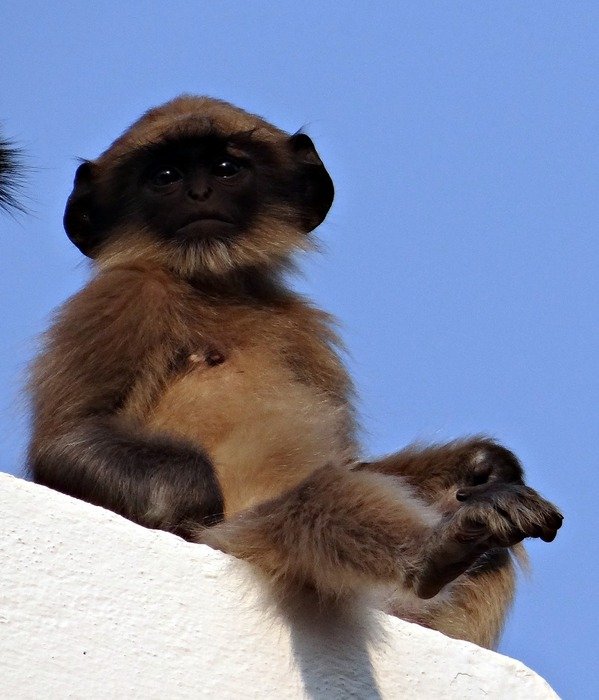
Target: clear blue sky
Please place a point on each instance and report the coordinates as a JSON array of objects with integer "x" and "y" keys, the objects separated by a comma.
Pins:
[{"x": 461, "y": 254}]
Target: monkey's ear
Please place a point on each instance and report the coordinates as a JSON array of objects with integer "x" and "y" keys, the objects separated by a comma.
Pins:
[
  {"x": 315, "y": 187},
  {"x": 79, "y": 213}
]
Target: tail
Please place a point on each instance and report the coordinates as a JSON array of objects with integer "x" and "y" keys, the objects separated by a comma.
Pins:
[{"x": 11, "y": 176}]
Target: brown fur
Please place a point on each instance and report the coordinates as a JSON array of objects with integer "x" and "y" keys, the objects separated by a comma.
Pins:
[{"x": 184, "y": 386}]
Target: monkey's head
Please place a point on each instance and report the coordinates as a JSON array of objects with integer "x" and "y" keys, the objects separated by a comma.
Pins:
[{"x": 201, "y": 186}]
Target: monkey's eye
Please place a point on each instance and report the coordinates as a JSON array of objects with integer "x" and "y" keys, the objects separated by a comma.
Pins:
[
  {"x": 165, "y": 176},
  {"x": 226, "y": 168}
]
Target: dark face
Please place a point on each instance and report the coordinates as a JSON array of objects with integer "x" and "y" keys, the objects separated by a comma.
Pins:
[
  {"x": 248, "y": 197},
  {"x": 194, "y": 189}
]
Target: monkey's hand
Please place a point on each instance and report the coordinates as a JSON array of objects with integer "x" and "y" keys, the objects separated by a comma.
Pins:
[{"x": 490, "y": 515}]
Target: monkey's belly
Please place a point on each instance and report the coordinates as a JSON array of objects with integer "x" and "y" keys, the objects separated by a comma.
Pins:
[{"x": 263, "y": 430}]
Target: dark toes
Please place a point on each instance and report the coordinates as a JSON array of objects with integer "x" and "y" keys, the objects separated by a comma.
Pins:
[
  {"x": 509, "y": 512},
  {"x": 511, "y": 538}
]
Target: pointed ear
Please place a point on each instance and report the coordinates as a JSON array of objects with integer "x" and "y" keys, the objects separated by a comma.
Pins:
[
  {"x": 314, "y": 185},
  {"x": 79, "y": 215}
]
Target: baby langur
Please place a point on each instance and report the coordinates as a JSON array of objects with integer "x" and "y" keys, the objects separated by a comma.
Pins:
[{"x": 187, "y": 388}]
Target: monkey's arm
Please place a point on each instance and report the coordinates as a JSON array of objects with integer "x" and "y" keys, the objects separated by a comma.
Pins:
[
  {"x": 122, "y": 323},
  {"x": 340, "y": 530},
  {"x": 155, "y": 481}
]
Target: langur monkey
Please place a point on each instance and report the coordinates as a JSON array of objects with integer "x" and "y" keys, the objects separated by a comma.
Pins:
[{"x": 187, "y": 388}]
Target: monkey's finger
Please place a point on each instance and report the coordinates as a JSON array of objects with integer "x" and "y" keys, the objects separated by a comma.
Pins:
[{"x": 550, "y": 531}]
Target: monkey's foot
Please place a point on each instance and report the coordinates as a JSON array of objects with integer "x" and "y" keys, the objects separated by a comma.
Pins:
[
  {"x": 492, "y": 515},
  {"x": 488, "y": 463}
]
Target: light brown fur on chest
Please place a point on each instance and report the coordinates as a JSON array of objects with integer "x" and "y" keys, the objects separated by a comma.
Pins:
[
  {"x": 262, "y": 428},
  {"x": 265, "y": 405}
]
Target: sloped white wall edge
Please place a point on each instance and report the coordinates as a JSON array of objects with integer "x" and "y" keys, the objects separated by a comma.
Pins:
[{"x": 94, "y": 606}]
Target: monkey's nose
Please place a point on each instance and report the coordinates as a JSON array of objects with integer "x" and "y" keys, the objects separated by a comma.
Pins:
[{"x": 199, "y": 194}]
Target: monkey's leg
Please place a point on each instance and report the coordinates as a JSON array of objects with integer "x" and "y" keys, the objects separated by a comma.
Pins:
[
  {"x": 475, "y": 470},
  {"x": 484, "y": 476},
  {"x": 339, "y": 531},
  {"x": 336, "y": 532},
  {"x": 438, "y": 471}
]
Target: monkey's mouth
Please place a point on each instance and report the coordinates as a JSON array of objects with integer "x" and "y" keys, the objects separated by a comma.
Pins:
[{"x": 206, "y": 225}]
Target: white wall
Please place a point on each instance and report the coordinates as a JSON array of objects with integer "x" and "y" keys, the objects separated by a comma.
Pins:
[{"x": 93, "y": 606}]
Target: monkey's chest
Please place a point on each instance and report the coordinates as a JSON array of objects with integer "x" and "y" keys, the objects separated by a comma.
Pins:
[{"x": 263, "y": 429}]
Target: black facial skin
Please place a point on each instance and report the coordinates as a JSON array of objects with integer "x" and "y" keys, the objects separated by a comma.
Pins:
[
  {"x": 196, "y": 190},
  {"x": 188, "y": 189}
]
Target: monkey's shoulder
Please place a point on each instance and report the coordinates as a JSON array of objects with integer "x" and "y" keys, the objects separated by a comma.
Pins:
[{"x": 131, "y": 295}]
